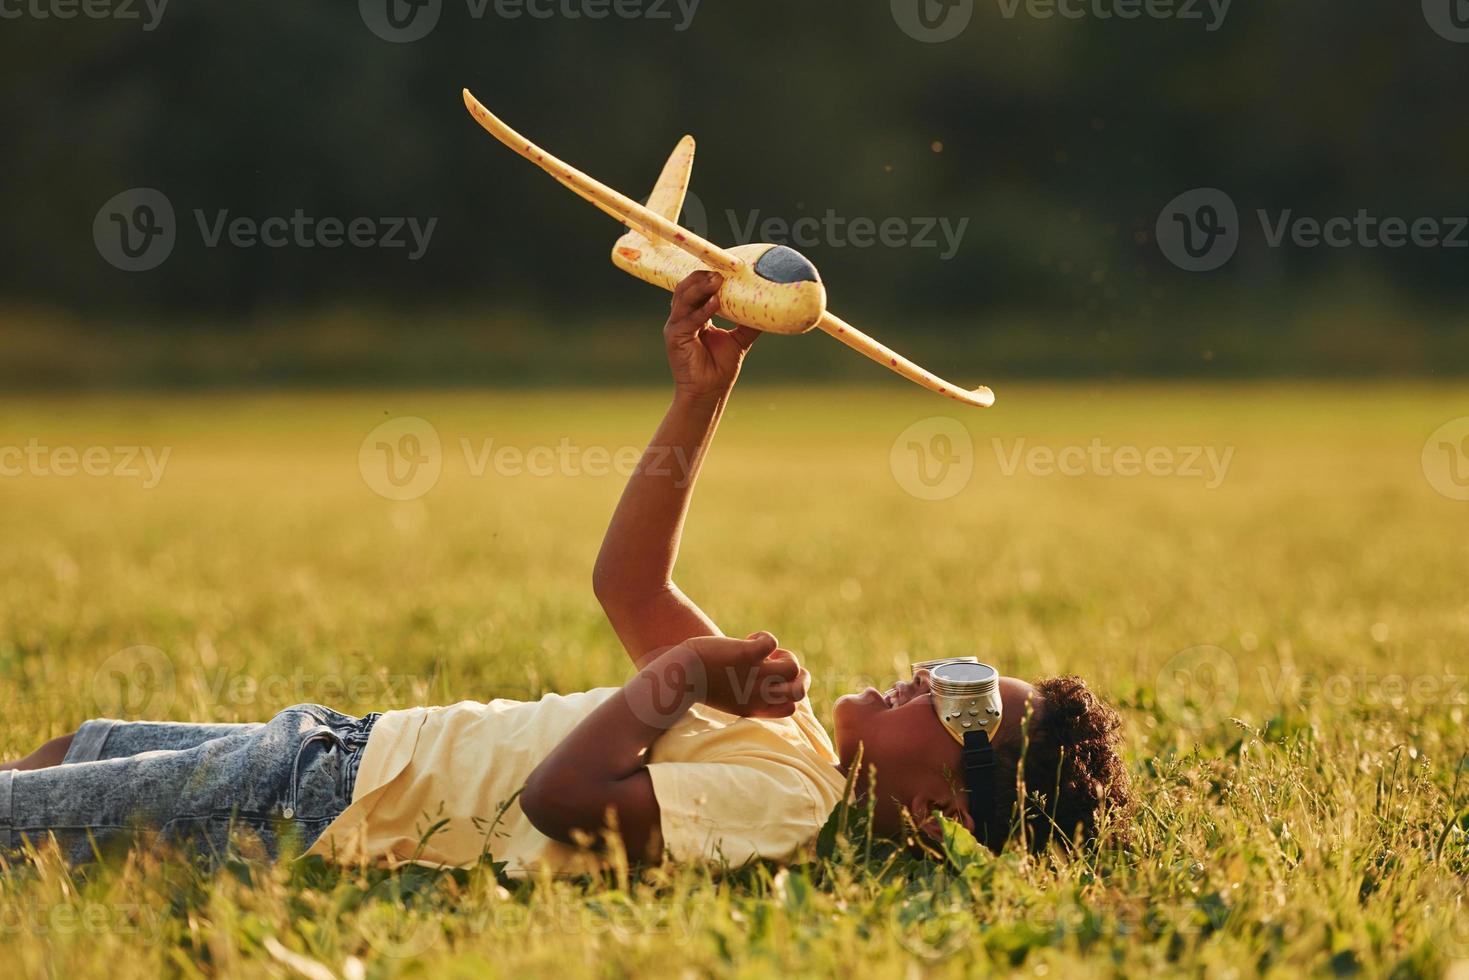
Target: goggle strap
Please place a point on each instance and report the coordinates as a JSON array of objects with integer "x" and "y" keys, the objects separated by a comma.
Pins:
[{"x": 979, "y": 772}]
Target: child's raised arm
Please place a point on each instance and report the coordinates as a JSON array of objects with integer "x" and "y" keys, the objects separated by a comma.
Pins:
[{"x": 633, "y": 578}]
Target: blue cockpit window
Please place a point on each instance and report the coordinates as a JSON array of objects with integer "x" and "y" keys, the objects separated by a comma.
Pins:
[{"x": 785, "y": 265}]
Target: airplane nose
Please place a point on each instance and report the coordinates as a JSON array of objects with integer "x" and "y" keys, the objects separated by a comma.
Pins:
[{"x": 785, "y": 265}]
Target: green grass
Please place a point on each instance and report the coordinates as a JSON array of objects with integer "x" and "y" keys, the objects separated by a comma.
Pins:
[{"x": 1288, "y": 651}]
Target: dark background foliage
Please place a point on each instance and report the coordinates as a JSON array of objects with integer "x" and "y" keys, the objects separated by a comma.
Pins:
[{"x": 1058, "y": 140}]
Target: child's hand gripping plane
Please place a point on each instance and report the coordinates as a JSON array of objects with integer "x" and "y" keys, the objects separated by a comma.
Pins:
[{"x": 766, "y": 287}]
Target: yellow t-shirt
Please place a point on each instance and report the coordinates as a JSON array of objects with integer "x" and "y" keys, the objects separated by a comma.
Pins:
[{"x": 437, "y": 786}]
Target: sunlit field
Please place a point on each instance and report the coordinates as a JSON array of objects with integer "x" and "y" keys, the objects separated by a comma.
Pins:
[{"x": 1276, "y": 598}]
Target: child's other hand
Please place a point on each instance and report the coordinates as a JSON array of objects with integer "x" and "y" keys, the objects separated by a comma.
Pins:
[
  {"x": 752, "y": 678},
  {"x": 705, "y": 359}
]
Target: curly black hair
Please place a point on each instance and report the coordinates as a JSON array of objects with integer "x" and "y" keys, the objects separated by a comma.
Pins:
[{"x": 1072, "y": 771}]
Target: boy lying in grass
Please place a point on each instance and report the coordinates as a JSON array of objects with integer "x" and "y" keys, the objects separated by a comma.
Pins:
[{"x": 710, "y": 752}]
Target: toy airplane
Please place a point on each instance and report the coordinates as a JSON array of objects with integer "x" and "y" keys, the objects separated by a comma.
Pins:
[{"x": 767, "y": 287}]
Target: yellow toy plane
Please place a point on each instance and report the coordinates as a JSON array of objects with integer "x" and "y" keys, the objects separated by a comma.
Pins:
[{"x": 767, "y": 287}]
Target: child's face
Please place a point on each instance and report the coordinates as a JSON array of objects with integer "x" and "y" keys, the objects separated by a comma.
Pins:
[{"x": 917, "y": 760}]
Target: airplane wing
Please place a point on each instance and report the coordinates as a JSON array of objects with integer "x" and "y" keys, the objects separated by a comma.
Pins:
[
  {"x": 980, "y": 397},
  {"x": 619, "y": 206}
]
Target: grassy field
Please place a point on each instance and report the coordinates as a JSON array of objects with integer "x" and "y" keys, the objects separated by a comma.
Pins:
[{"x": 1279, "y": 608}]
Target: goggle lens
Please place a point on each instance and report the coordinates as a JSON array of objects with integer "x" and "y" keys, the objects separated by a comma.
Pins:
[
  {"x": 966, "y": 699},
  {"x": 966, "y": 694}
]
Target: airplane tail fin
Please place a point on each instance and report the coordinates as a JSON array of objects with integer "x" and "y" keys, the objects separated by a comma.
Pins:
[{"x": 673, "y": 183}]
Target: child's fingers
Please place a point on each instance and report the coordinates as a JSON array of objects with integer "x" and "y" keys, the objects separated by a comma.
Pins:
[
  {"x": 767, "y": 641},
  {"x": 745, "y": 336},
  {"x": 709, "y": 309},
  {"x": 782, "y": 664},
  {"x": 793, "y": 689},
  {"x": 741, "y": 338},
  {"x": 693, "y": 293},
  {"x": 796, "y": 690},
  {"x": 751, "y": 650},
  {"x": 782, "y": 707},
  {"x": 694, "y": 287}
]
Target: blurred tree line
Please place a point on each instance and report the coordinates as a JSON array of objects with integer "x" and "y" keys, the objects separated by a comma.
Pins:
[{"x": 1052, "y": 141}]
